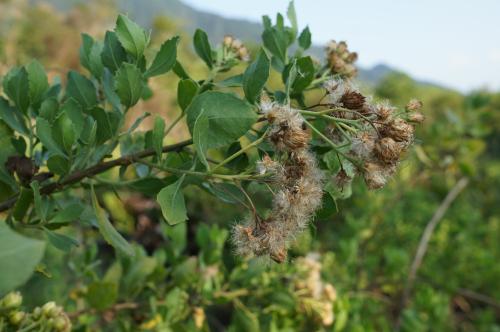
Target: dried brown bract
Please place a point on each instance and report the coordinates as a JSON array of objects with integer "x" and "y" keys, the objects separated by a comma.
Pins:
[
  {"x": 298, "y": 182},
  {"x": 388, "y": 150}
]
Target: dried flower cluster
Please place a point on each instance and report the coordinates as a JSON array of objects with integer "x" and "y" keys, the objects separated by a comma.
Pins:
[
  {"x": 384, "y": 133},
  {"x": 316, "y": 296},
  {"x": 49, "y": 317},
  {"x": 237, "y": 47},
  {"x": 298, "y": 182},
  {"x": 340, "y": 60}
]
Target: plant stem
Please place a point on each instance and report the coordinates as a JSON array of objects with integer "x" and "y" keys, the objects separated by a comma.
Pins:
[
  {"x": 333, "y": 145},
  {"x": 320, "y": 134},
  {"x": 240, "y": 152},
  {"x": 323, "y": 115},
  {"x": 101, "y": 167},
  {"x": 172, "y": 125},
  {"x": 200, "y": 174}
]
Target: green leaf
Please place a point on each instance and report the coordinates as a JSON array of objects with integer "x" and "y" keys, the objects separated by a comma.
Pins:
[
  {"x": 266, "y": 22},
  {"x": 332, "y": 161},
  {"x": 44, "y": 133},
  {"x": 255, "y": 77},
  {"x": 109, "y": 233},
  {"x": 61, "y": 241},
  {"x": 81, "y": 89},
  {"x": 226, "y": 192},
  {"x": 49, "y": 109},
  {"x": 16, "y": 86},
  {"x": 235, "y": 81},
  {"x": 229, "y": 117},
  {"x": 158, "y": 135},
  {"x": 200, "y": 133},
  {"x": 305, "y": 38},
  {"x": 276, "y": 42},
  {"x": 113, "y": 53},
  {"x": 39, "y": 208},
  {"x": 64, "y": 132},
  {"x": 108, "y": 85},
  {"x": 58, "y": 165},
  {"x": 165, "y": 59},
  {"x": 89, "y": 132},
  {"x": 290, "y": 78},
  {"x": 292, "y": 16},
  {"x": 102, "y": 294},
  {"x": 70, "y": 213},
  {"x": 202, "y": 47},
  {"x": 38, "y": 82},
  {"x": 328, "y": 207},
  {"x": 19, "y": 256},
  {"x": 22, "y": 204},
  {"x": 12, "y": 117},
  {"x": 179, "y": 71},
  {"x": 186, "y": 90},
  {"x": 85, "y": 48},
  {"x": 75, "y": 114},
  {"x": 171, "y": 200},
  {"x": 104, "y": 130},
  {"x": 128, "y": 84},
  {"x": 303, "y": 77},
  {"x": 90, "y": 55},
  {"x": 137, "y": 122},
  {"x": 132, "y": 37}
]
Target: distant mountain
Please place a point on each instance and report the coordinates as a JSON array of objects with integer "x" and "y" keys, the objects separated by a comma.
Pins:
[{"x": 189, "y": 18}]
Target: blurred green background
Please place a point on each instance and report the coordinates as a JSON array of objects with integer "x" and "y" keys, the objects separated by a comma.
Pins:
[{"x": 347, "y": 273}]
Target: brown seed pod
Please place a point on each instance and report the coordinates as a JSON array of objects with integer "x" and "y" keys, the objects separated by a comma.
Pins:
[
  {"x": 384, "y": 111},
  {"x": 416, "y": 117},
  {"x": 289, "y": 137},
  {"x": 363, "y": 144},
  {"x": 374, "y": 175},
  {"x": 414, "y": 105},
  {"x": 399, "y": 130},
  {"x": 388, "y": 150},
  {"x": 278, "y": 255},
  {"x": 352, "y": 100}
]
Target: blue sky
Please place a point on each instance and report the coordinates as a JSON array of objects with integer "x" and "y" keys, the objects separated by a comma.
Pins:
[{"x": 455, "y": 43}]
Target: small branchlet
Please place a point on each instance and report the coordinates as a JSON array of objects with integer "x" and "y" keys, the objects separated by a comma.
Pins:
[{"x": 383, "y": 133}]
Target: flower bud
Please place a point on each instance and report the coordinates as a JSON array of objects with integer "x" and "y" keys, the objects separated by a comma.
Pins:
[
  {"x": 199, "y": 317},
  {"x": 228, "y": 40},
  {"x": 243, "y": 54},
  {"x": 416, "y": 117},
  {"x": 414, "y": 105},
  {"x": 12, "y": 300},
  {"x": 16, "y": 317},
  {"x": 342, "y": 47},
  {"x": 62, "y": 323},
  {"x": 331, "y": 46},
  {"x": 330, "y": 292},
  {"x": 236, "y": 44},
  {"x": 37, "y": 313},
  {"x": 50, "y": 309}
]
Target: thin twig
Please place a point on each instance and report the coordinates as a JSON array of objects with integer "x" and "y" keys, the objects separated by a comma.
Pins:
[
  {"x": 94, "y": 170},
  {"x": 424, "y": 242}
]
